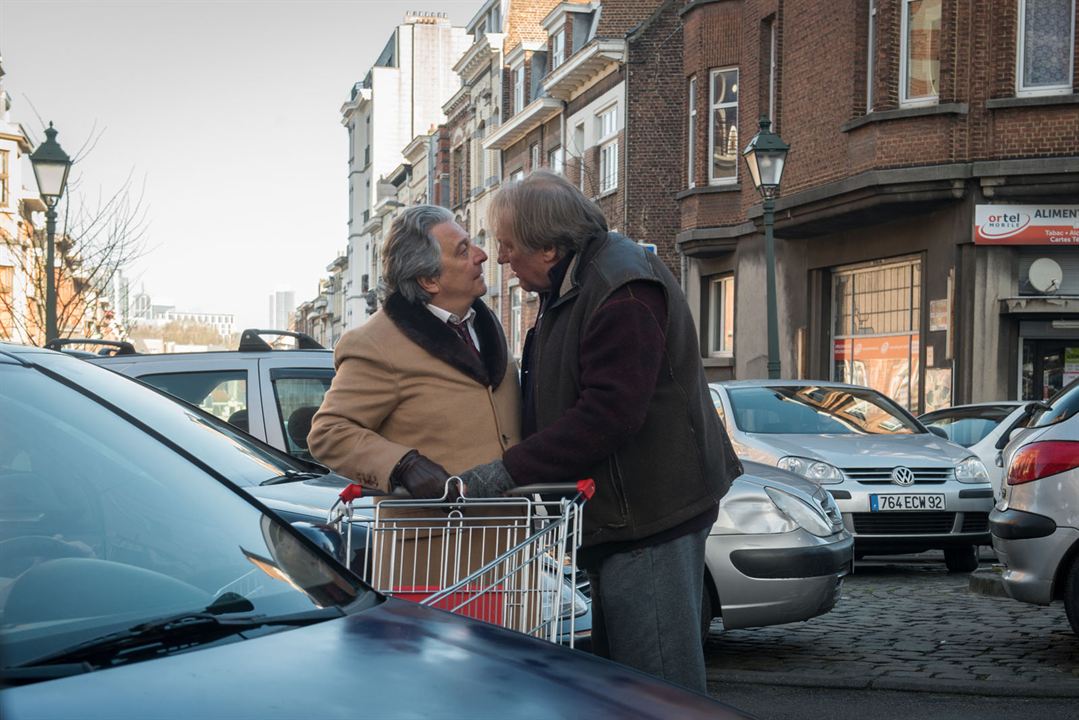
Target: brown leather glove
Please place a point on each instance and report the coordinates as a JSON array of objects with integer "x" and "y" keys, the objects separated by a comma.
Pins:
[{"x": 421, "y": 476}]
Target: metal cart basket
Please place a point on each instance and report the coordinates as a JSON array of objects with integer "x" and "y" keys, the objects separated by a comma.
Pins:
[{"x": 509, "y": 561}]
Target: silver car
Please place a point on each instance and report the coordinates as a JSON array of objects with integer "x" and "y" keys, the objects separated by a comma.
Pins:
[
  {"x": 899, "y": 487},
  {"x": 1035, "y": 524},
  {"x": 982, "y": 427}
]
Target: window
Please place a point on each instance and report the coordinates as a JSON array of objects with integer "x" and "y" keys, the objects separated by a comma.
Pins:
[
  {"x": 871, "y": 55},
  {"x": 721, "y": 316},
  {"x": 519, "y": 96},
  {"x": 919, "y": 57},
  {"x": 533, "y": 156},
  {"x": 578, "y": 141},
  {"x": 299, "y": 394},
  {"x": 723, "y": 130},
  {"x": 558, "y": 48},
  {"x": 222, "y": 393},
  {"x": 607, "y": 126},
  {"x": 517, "y": 340},
  {"x": 770, "y": 69},
  {"x": 3, "y": 178},
  {"x": 1046, "y": 50},
  {"x": 691, "y": 134},
  {"x": 876, "y": 328},
  {"x": 517, "y": 176},
  {"x": 554, "y": 160}
]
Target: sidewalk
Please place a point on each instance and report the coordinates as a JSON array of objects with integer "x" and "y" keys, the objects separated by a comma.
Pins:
[{"x": 909, "y": 625}]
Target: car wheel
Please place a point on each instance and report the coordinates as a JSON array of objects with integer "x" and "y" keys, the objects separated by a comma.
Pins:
[
  {"x": 961, "y": 559},
  {"x": 1071, "y": 596},
  {"x": 706, "y": 613}
]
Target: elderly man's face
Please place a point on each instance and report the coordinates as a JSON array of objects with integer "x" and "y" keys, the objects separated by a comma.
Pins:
[
  {"x": 530, "y": 267},
  {"x": 461, "y": 281}
]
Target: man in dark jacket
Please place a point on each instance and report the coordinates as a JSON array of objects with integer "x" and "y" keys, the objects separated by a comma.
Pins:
[{"x": 614, "y": 390}]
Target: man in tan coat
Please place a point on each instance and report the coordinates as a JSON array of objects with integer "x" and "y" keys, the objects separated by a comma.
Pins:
[{"x": 425, "y": 388}]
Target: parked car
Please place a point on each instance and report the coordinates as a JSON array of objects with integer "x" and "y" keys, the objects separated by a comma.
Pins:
[
  {"x": 899, "y": 487},
  {"x": 1035, "y": 524},
  {"x": 138, "y": 579},
  {"x": 280, "y": 390},
  {"x": 980, "y": 427}
]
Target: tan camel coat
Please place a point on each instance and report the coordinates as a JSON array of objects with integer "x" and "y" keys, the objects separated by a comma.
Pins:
[{"x": 406, "y": 381}]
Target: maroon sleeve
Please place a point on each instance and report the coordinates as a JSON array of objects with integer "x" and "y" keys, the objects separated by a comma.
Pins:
[{"x": 622, "y": 352}]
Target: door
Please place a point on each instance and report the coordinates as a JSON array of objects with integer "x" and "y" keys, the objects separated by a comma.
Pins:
[{"x": 1048, "y": 365}]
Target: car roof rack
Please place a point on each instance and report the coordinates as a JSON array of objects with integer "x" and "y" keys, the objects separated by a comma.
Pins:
[
  {"x": 121, "y": 347},
  {"x": 251, "y": 340}
]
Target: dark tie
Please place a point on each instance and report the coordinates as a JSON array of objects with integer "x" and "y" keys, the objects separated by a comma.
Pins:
[{"x": 461, "y": 329}]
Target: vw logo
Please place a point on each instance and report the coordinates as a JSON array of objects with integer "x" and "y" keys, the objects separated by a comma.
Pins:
[{"x": 903, "y": 476}]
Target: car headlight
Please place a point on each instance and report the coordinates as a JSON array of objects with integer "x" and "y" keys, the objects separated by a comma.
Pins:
[
  {"x": 573, "y": 601},
  {"x": 971, "y": 470},
  {"x": 815, "y": 470},
  {"x": 804, "y": 515}
]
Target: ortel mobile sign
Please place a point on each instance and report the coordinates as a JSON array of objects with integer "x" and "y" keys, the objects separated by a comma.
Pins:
[{"x": 1026, "y": 224}]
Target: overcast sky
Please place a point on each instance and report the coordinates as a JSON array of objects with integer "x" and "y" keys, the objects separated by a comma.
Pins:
[{"x": 228, "y": 110}]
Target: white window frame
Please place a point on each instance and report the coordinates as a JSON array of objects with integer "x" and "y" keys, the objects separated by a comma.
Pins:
[
  {"x": 712, "y": 107},
  {"x": 578, "y": 134},
  {"x": 534, "y": 156},
  {"x": 904, "y": 31},
  {"x": 518, "y": 88},
  {"x": 691, "y": 135},
  {"x": 871, "y": 54},
  {"x": 607, "y": 130},
  {"x": 718, "y": 287},
  {"x": 558, "y": 48},
  {"x": 517, "y": 302},
  {"x": 555, "y": 160},
  {"x": 1064, "y": 88},
  {"x": 517, "y": 176}
]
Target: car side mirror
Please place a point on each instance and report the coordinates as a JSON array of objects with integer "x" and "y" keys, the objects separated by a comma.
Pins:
[{"x": 939, "y": 432}]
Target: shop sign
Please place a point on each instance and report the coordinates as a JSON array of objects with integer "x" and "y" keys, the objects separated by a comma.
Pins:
[
  {"x": 886, "y": 347},
  {"x": 938, "y": 315},
  {"x": 1026, "y": 224}
]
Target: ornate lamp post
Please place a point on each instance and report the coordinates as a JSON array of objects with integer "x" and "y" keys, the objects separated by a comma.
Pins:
[
  {"x": 765, "y": 155},
  {"x": 51, "y": 165}
]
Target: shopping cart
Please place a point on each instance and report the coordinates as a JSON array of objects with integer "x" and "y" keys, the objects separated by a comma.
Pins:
[{"x": 510, "y": 561}]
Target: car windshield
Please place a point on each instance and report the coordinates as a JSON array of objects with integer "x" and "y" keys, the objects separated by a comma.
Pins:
[
  {"x": 1061, "y": 407},
  {"x": 816, "y": 410},
  {"x": 968, "y": 425},
  {"x": 104, "y": 526},
  {"x": 235, "y": 455}
]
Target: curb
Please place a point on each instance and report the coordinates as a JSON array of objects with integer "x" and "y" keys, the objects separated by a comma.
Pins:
[
  {"x": 987, "y": 581},
  {"x": 1054, "y": 689}
]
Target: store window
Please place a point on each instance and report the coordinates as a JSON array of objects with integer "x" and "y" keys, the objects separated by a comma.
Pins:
[
  {"x": 723, "y": 129},
  {"x": 1046, "y": 46},
  {"x": 920, "y": 52},
  {"x": 876, "y": 333}
]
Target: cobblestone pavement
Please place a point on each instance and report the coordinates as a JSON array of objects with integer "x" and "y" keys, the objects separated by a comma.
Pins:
[{"x": 906, "y": 624}]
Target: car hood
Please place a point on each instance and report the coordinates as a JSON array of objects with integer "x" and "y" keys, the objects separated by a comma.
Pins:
[
  {"x": 921, "y": 450},
  {"x": 314, "y": 496},
  {"x": 396, "y": 659}
]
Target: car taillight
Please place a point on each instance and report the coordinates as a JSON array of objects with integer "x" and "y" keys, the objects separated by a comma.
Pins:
[{"x": 1042, "y": 459}]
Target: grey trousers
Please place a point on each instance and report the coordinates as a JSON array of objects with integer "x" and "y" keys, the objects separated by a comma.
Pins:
[{"x": 646, "y": 609}]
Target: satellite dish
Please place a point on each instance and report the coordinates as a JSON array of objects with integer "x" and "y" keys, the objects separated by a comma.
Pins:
[{"x": 1045, "y": 275}]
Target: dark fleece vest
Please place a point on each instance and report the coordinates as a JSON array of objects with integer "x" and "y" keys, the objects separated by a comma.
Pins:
[{"x": 681, "y": 462}]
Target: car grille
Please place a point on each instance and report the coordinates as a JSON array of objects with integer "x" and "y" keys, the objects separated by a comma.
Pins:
[
  {"x": 883, "y": 475},
  {"x": 904, "y": 523},
  {"x": 975, "y": 522}
]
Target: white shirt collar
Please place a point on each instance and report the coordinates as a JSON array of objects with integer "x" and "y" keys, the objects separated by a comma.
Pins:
[{"x": 446, "y": 316}]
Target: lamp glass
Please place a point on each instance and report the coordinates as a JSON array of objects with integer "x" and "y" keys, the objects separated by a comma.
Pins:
[{"x": 51, "y": 177}]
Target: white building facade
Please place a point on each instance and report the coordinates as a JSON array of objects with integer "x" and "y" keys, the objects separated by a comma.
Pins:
[{"x": 400, "y": 98}]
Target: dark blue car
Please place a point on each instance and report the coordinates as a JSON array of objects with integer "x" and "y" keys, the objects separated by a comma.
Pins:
[{"x": 138, "y": 580}]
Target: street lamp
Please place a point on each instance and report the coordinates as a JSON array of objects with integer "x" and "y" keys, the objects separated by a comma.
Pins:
[
  {"x": 765, "y": 155},
  {"x": 51, "y": 165}
]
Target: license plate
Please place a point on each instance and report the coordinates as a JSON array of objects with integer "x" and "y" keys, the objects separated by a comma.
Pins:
[{"x": 890, "y": 503}]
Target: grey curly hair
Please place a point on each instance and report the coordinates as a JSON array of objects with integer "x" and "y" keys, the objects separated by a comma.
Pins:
[
  {"x": 410, "y": 253},
  {"x": 544, "y": 210}
]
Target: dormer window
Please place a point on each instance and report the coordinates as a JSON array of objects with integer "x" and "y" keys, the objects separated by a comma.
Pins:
[{"x": 558, "y": 48}]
